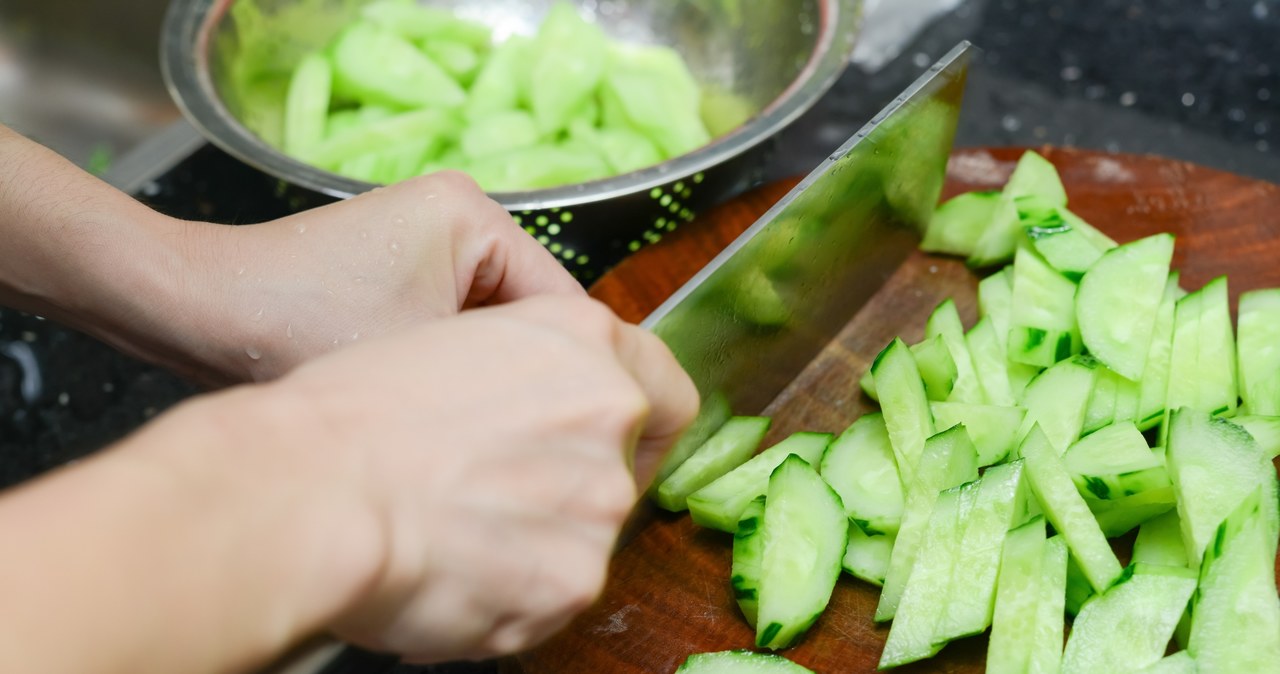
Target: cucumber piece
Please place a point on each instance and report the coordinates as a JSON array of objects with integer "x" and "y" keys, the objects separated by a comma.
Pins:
[
  {"x": 1066, "y": 249},
  {"x": 374, "y": 65},
  {"x": 566, "y": 65},
  {"x": 382, "y": 136},
  {"x": 739, "y": 662},
  {"x": 458, "y": 59},
  {"x": 948, "y": 460},
  {"x": 1015, "y": 621},
  {"x": 1178, "y": 663},
  {"x": 1114, "y": 462},
  {"x": 498, "y": 133},
  {"x": 1077, "y": 591},
  {"x": 957, "y": 224},
  {"x": 867, "y": 555},
  {"x": 1258, "y": 350},
  {"x": 1042, "y": 320},
  {"x": 1118, "y": 300},
  {"x": 945, "y": 322},
  {"x": 805, "y": 532},
  {"x": 712, "y": 415},
  {"x": 904, "y": 405},
  {"x": 720, "y": 504},
  {"x": 971, "y": 595},
  {"x": 911, "y": 634},
  {"x": 860, "y": 466},
  {"x": 1101, "y": 411},
  {"x": 1000, "y": 238},
  {"x": 1067, "y": 511},
  {"x": 1202, "y": 373},
  {"x": 306, "y": 106},
  {"x": 937, "y": 370},
  {"x": 652, "y": 89},
  {"x": 1117, "y": 517},
  {"x": 1046, "y": 653},
  {"x": 748, "y": 553},
  {"x": 1265, "y": 431},
  {"x": 420, "y": 22},
  {"x": 1214, "y": 464},
  {"x": 498, "y": 84},
  {"x": 993, "y": 428},
  {"x": 1129, "y": 626},
  {"x": 729, "y": 447},
  {"x": 626, "y": 150},
  {"x": 995, "y": 301},
  {"x": 539, "y": 166},
  {"x": 989, "y": 362},
  {"x": 1235, "y": 622},
  {"x": 1126, "y": 405},
  {"x": 1102, "y": 241},
  {"x": 1057, "y": 399},
  {"x": 1159, "y": 541},
  {"x": 1154, "y": 386},
  {"x": 1033, "y": 176}
]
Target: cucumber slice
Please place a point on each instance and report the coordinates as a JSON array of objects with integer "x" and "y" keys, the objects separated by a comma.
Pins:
[
  {"x": 712, "y": 415},
  {"x": 382, "y": 135},
  {"x": 1114, "y": 462},
  {"x": 1265, "y": 431},
  {"x": 498, "y": 132},
  {"x": 720, "y": 504},
  {"x": 374, "y": 65},
  {"x": 948, "y": 460},
  {"x": 729, "y": 447},
  {"x": 1235, "y": 622},
  {"x": 971, "y": 595},
  {"x": 1118, "y": 301},
  {"x": 860, "y": 466},
  {"x": 911, "y": 635},
  {"x": 1214, "y": 464},
  {"x": 748, "y": 553},
  {"x": 566, "y": 65},
  {"x": 498, "y": 84},
  {"x": 1042, "y": 321},
  {"x": 1015, "y": 620},
  {"x": 1066, "y": 249},
  {"x": 458, "y": 59},
  {"x": 1258, "y": 350},
  {"x": 1117, "y": 517},
  {"x": 1202, "y": 373},
  {"x": 805, "y": 532},
  {"x": 652, "y": 90},
  {"x": 1129, "y": 626},
  {"x": 306, "y": 107},
  {"x": 1033, "y": 176},
  {"x": 1078, "y": 589},
  {"x": 993, "y": 428},
  {"x": 1101, "y": 411},
  {"x": 995, "y": 300},
  {"x": 1057, "y": 400},
  {"x": 945, "y": 322},
  {"x": 937, "y": 370},
  {"x": 1154, "y": 386},
  {"x": 904, "y": 405},
  {"x": 1046, "y": 653},
  {"x": 418, "y": 22},
  {"x": 957, "y": 224},
  {"x": 1102, "y": 241},
  {"x": 1067, "y": 511},
  {"x": 1159, "y": 541},
  {"x": 989, "y": 362},
  {"x": 867, "y": 555},
  {"x": 1178, "y": 663},
  {"x": 739, "y": 662}
]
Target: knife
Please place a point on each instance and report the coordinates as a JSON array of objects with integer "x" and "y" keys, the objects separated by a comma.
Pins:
[{"x": 747, "y": 324}]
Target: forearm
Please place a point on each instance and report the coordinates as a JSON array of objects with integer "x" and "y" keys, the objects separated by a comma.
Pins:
[{"x": 189, "y": 547}]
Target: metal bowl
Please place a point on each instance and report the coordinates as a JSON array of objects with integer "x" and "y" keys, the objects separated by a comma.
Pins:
[{"x": 776, "y": 56}]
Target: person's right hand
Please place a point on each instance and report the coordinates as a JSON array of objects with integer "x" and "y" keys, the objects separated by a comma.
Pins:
[{"x": 493, "y": 450}]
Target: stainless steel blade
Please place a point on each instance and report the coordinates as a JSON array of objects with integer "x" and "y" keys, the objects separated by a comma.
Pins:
[{"x": 749, "y": 322}]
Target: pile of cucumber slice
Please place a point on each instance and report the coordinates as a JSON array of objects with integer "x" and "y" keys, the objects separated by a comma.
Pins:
[
  {"x": 1093, "y": 397},
  {"x": 409, "y": 89}
]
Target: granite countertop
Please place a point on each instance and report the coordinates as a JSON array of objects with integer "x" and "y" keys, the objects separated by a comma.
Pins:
[{"x": 1194, "y": 80}]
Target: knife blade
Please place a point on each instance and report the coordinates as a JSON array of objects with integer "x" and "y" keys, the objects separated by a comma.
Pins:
[{"x": 753, "y": 318}]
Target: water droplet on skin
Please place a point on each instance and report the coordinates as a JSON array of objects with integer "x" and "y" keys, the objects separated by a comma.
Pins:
[
  {"x": 355, "y": 336},
  {"x": 240, "y": 271},
  {"x": 399, "y": 221},
  {"x": 395, "y": 247},
  {"x": 364, "y": 234},
  {"x": 288, "y": 331},
  {"x": 301, "y": 228},
  {"x": 358, "y": 279},
  {"x": 252, "y": 353},
  {"x": 258, "y": 316}
]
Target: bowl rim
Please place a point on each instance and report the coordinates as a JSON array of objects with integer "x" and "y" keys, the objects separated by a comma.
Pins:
[{"x": 188, "y": 78}]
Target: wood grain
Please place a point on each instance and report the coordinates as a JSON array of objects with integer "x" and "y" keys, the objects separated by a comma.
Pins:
[{"x": 668, "y": 593}]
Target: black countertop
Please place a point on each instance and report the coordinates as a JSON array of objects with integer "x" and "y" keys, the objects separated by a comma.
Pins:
[{"x": 1198, "y": 81}]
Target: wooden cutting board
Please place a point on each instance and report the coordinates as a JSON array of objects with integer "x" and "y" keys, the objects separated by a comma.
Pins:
[{"x": 668, "y": 593}]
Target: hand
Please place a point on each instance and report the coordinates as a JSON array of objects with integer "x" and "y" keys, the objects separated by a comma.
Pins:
[{"x": 493, "y": 449}]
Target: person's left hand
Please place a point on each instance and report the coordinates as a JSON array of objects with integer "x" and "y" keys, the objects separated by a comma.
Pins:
[{"x": 276, "y": 294}]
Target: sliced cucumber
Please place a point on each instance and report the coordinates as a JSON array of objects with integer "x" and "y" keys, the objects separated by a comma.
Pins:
[
  {"x": 306, "y": 107},
  {"x": 1102, "y": 401},
  {"x": 1117, "y": 517},
  {"x": 948, "y": 460},
  {"x": 1090, "y": 232},
  {"x": 748, "y": 552},
  {"x": 995, "y": 300},
  {"x": 739, "y": 662},
  {"x": 720, "y": 504},
  {"x": 1046, "y": 653},
  {"x": 1057, "y": 400},
  {"x": 374, "y": 65},
  {"x": 1065, "y": 248},
  {"x": 712, "y": 415},
  {"x": 860, "y": 466},
  {"x": 1033, "y": 176},
  {"x": 1015, "y": 621},
  {"x": 1114, "y": 462},
  {"x": 937, "y": 370},
  {"x": 381, "y": 136},
  {"x": 1129, "y": 626},
  {"x": 993, "y": 429},
  {"x": 1118, "y": 300},
  {"x": 1154, "y": 387},
  {"x": 1042, "y": 320},
  {"x": 805, "y": 532},
  {"x": 904, "y": 404},
  {"x": 957, "y": 224},
  {"x": 1178, "y": 663},
  {"x": 1265, "y": 430},
  {"x": 1067, "y": 511},
  {"x": 945, "y": 323},
  {"x": 1159, "y": 541},
  {"x": 1078, "y": 589},
  {"x": 867, "y": 555},
  {"x": 1202, "y": 370},
  {"x": 725, "y": 450},
  {"x": 990, "y": 362},
  {"x": 1214, "y": 464},
  {"x": 1258, "y": 350}
]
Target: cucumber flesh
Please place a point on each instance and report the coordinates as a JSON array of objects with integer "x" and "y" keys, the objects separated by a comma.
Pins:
[
  {"x": 1014, "y": 623},
  {"x": 1057, "y": 399},
  {"x": 374, "y": 65},
  {"x": 306, "y": 107},
  {"x": 995, "y": 300},
  {"x": 1178, "y": 663},
  {"x": 957, "y": 224},
  {"x": 712, "y": 415},
  {"x": 720, "y": 504},
  {"x": 1202, "y": 371},
  {"x": 1118, "y": 300},
  {"x": 1115, "y": 462},
  {"x": 1033, "y": 176},
  {"x": 1258, "y": 350},
  {"x": 1117, "y": 517},
  {"x": 1159, "y": 541},
  {"x": 805, "y": 533},
  {"x": 860, "y": 466},
  {"x": 567, "y": 62},
  {"x": 1042, "y": 320},
  {"x": 904, "y": 405},
  {"x": 993, "y": 428},
  {"x": 1078, "y": 590},
  {"x": 1154, "y": 387},
  {"x": 1067, "y": 511},
  {"x": 867, "y": 555},
  {"x": 1066, "y": 249},
  {"x": 945, "y": 323},
  {"x": 739, "y": 662},
  {"x": 1129, "y": 626},
  {"x": 1265, "y": 431},
  {"x": 938, "y": 368},
  {"x": 1046, "y": 653},
  {"x": 990, "y": 362},
  {"x": 748, "y": 552},
  {"x": 1102, "y": 401},
  {"x": 381, "y": 136},
  {"x": 728, "y": 448}
]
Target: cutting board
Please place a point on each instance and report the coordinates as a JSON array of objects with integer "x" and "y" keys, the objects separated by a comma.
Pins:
[{"x": 668, "y": 593}]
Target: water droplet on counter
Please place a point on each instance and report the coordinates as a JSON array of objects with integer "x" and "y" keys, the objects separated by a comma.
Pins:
[{"x": 252, "y": 353}]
